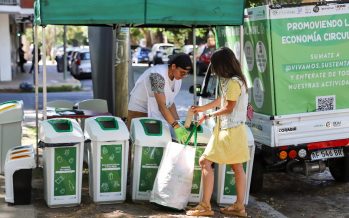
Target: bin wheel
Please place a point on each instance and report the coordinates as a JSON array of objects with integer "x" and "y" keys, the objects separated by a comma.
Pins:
[
  {"x": 257, "y": 174},
  {"x": 339, "y": 169}
]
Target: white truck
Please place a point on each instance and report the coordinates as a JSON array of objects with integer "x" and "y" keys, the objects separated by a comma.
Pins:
[{"x": 296, "y": 61}]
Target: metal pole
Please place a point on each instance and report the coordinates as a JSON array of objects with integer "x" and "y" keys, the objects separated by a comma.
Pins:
[
  {"x": 241, "y": 46},
  {"x": 36, "y": 81},
  {"x": 194, "y": 63},
  {"x": 65, "y": 52},
  {"x": 44, "y": 90}
]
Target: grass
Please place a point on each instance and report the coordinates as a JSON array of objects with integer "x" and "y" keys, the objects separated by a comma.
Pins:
[{"x": 63, "y": 88}]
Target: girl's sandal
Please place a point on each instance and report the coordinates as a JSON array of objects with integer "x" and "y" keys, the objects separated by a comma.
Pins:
[
  {"x": 202, "y": 209},
  {"x": 235, "y": 209}
]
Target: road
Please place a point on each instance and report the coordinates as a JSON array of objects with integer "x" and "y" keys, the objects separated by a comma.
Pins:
[{"x": 183, "y": 100}]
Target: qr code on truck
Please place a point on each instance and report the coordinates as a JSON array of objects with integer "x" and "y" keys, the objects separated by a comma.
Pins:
[{"x": 325, "y": 103}]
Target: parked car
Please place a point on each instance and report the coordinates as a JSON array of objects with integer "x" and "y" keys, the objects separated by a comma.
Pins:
[
  {"x": 141, "y": 55},
  {"x": 188, "y": 49},
  {"x": 160, "y": 51},
  {"x": 81, "y": 64},
  {"x": 59, "y": 59}
]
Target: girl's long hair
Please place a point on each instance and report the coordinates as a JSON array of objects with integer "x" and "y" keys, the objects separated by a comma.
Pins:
[{"x": 224, "y": 64}]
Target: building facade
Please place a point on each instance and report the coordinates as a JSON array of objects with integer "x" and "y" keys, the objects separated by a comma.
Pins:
[{"x": 14, "y": 14}]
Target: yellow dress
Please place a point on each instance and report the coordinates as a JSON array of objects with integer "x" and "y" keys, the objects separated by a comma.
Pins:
[{"x": 228, "y": 146}]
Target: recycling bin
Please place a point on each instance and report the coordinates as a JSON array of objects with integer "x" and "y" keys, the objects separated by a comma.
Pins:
[
  {"x": 203, "y": 136},
  {"x": 11, "y": 117},
  {"x": 63, "y": 145},
  {"x": 19, "y": 164},
  {"x": 108, "y": 157},
  {"x": 149, "y": 137},
  {"x": 225, "y": 192}
]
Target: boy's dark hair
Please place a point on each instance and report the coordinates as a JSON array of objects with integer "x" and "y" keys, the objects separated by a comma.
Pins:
[{"x": 181, "y": 60}]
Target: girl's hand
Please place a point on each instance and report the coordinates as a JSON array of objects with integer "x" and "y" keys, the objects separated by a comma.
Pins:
[
  {"x": 196, "y": 109},
  {"x": 202, "y": 119}
]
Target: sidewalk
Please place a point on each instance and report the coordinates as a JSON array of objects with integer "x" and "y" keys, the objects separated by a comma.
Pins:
[
  {"x": 53, "y": 78},
  {"x": 87, "y": 208}
]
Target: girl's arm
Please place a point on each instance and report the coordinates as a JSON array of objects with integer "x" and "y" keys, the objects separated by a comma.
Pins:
[
  {"x": 226, "y": 109},
  {"x": 213, "y": 104}
]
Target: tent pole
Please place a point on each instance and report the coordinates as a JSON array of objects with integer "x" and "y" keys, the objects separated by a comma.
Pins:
[
  {"x": 36, "y": 81},
  {"x": 44, "y": 90},
  {"x": 194, "y": 63},
  {"x": 65, "y": 52},
  {"x": 241, "y": 46}
]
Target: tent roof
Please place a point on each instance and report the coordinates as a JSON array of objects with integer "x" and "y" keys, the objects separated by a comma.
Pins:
[{"x": 140, "y": 12}]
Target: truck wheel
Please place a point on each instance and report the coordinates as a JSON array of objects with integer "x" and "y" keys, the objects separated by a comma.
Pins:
[
  {"x": 257, "y": 174},
  {"x": 339, "y": 169}
]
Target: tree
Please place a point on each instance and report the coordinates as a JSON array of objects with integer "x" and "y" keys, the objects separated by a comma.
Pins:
[
  {"x": 76, "y": 36},
  {"x": 177, "y": 36}
]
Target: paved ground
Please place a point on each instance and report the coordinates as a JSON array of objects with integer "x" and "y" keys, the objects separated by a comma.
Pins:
[{"x": 53, "y": 78}]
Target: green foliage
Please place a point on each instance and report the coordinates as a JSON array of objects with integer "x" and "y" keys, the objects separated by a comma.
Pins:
[
  {"x": 76, "y": 36},
  {"x": 177, "y": 36},
  {"x": 63, "y": 88}
]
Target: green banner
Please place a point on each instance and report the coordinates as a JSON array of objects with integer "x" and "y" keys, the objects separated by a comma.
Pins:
[
  {"x": 151, "y": 158},
  {"x": 65, "y": 171},
  {"x": 257, "y": 61},
  {"x": 311, "y": 61},
  {"x": 229, "y": 180},
  {"x": 111, "y": 168},
  {"x": 195, "y": 189},
  {"x": 295, "y": 59}
]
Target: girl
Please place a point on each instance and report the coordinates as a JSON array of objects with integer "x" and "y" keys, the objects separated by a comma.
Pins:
[{"x": 228, "y": 144}]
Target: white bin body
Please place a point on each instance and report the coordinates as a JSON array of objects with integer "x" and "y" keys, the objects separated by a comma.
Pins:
[
  {"x": 62, "y": 163},
  {"x": 63, "y": 175},
  {"x": 18, "y": 158},
  {"x": 108, "y": 160},
  {"x": 225, "y": 190},
  {"x": 147, "y": 155},
  {"x": 203, "y": 137},
  {"x": 11, "y": 116}
]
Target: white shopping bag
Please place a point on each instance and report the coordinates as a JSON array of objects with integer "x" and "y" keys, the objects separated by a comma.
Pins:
[{"x": 172, "y": 185}]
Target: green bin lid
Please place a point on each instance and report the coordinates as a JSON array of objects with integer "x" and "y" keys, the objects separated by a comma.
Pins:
[
  {"x": 152, "y": 127},
  {"x": 61, "y": 125},
  {"x": 107, "y": 123}
]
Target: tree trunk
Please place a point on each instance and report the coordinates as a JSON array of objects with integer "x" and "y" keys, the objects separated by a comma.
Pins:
[{"x": 121, "y": 72}]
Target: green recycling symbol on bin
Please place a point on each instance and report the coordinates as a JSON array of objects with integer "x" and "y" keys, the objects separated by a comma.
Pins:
[
  {"x": 150, "y": 161},
  {"x": 111, "y": 168},
  {"x": 65, "y": 171},
  {"x": 229, "y": 180}
]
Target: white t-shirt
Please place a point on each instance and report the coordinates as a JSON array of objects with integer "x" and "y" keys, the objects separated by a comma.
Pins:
[{"x": 138, "y": 99}]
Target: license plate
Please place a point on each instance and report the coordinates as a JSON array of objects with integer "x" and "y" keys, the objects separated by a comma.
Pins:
[{"x": 328, "y": 153}]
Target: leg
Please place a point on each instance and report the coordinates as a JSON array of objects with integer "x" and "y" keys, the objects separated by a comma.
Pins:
[
  {"x": 204, "y": 207},
  {"x": 240, "y": 181},
  {"x": 31, "y": 68},
  {"x": 238, "y": 208},
  {"x": 207, "y": 179},
  {"x": 22, "y": 67},
  {"x": 134, "y": 114}
]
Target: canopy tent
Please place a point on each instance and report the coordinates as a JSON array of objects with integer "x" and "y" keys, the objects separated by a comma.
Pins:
[
  {"x": 140, "y": 12},
  {"x": 132, "y": 13}
]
